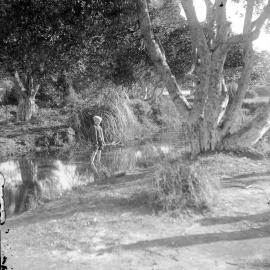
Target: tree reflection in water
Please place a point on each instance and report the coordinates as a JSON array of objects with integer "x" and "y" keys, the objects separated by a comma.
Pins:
[
  {"x": 29, "y": 190},
  {"x": 22, "y": 188}
]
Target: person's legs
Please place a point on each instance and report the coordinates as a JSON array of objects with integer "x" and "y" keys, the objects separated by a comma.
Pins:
[
  {"x": 93, "y": 156},
  {"x": 99, "y": 156},
  {"x": 95, "y": 171}
]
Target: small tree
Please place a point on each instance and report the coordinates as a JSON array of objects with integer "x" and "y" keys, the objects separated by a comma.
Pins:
[
  {"x": 38, "y": 39},
  {"x": 211, "y": 116}
]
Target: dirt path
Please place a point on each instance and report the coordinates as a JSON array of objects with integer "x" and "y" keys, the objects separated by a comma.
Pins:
[{"x": 111, "y": 227}]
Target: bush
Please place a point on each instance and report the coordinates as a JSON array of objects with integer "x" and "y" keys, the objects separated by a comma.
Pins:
[{"x": 179, "y": 186}]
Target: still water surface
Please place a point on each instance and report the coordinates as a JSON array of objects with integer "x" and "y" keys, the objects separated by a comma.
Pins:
[{"x": 46, "y": 177}]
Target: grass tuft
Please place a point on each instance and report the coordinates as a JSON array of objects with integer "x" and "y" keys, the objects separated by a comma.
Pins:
[{"x": 179, "y": 186}]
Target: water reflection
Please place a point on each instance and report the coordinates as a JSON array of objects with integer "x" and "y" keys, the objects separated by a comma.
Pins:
[{"x": 30, "y": 182}]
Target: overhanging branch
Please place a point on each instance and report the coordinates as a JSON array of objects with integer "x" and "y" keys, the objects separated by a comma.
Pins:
[
  {"x": 253, "y": 31},
  {"x": 262, "y": 18},
  {"x": 243, "y": 38},
  {"x": 198, "y": 38},
  {"x": 158, "y": 57},
  {"x": 19, "y": 81},
  {"x": 243, "y": 81},
  {"x": 253, "y": 131}
]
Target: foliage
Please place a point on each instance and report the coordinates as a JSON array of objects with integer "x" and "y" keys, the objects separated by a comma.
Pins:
[
  {"x": 178, "y": 48},
  {"x": 91, "y": 41},
  {"x": 87, "y": 39}
]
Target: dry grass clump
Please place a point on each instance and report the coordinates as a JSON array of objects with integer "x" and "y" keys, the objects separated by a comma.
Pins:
[
  {"x": 119, "y": 122},
  {"x": 182, "y": 186}
]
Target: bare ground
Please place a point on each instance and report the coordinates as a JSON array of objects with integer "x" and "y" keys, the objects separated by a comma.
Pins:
[{"x": 111, "y": 226}]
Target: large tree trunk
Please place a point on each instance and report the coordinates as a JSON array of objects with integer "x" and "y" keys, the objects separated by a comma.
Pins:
[
  {"x": 26, "y": 108},
  {"x": 26, "y": 99},
  {"x": 212, "y": 116}
]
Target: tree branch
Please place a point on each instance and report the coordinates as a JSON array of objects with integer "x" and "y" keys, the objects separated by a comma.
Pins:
[
  {"x": 36, "y": 89},
  {"x": 251, "y": 132},
  {"x": 158, "y": 57},
  {"x": 243, "y": 81},
  {"x": 251, "y": 29},
  {"x": 203, "y": 53},
  {"x": 243, "y": 38},
  {"x": 209, "y": 7},
  {"x": 210, "y": 21},
  {"x": 19, "y": 81},
  {"x": 224, "y": 103},
  {"x": 198, "y": 38},
  {"x": 259, "y": 22},
  {"x": 223, "y": 26}
]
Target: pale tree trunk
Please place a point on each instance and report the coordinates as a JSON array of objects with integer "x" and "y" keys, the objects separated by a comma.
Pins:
[
  {"x": 252, "y": 132},
  {"x": 26, "y": 99},
  {"x": 158, "y": 57},
  {"x": 206, "y": 134},
  {"x": 212, "y": 115},
  {"x": 207, "y": 100},
  {"x": 248, "y": 135},
  {"x": 243, "y": 82}
]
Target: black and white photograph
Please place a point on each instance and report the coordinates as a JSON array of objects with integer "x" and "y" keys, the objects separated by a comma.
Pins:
[{"x": 135, "y": 134}]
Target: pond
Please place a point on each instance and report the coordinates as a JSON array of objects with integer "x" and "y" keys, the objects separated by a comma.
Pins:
[{"x": 34, "y": 181}]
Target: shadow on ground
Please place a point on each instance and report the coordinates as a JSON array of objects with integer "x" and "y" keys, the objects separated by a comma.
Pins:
[
  {"x": 245, "y": 180},
  {"x": 258, "y": 218},
  {"x": 191, "y": 240}
]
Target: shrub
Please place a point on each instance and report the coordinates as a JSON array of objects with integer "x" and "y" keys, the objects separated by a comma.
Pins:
[{"x": 182, "y": 186}]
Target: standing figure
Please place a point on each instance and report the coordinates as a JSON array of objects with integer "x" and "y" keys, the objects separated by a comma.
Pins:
[{"x": 98, "y": 139}]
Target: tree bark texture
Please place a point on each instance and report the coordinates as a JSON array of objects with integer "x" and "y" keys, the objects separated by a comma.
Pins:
[{"x": 26, "y": 98}]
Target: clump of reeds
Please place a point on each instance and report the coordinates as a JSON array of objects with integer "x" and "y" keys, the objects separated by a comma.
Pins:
[
  {"x": 182, "y": 186},
  {"x": 119, "y": 122}
]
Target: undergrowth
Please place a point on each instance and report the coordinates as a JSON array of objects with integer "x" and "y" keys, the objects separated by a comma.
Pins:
[{"x": 165, "y": 114}]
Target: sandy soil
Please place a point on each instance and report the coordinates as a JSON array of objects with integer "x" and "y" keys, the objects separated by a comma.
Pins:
[{"x": 111, "y": 227}]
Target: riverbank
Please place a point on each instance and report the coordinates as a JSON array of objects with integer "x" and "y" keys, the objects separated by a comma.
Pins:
[
  {"x": 48, "y": 130},
  {"x": 124, "y": 120},
  {"x": 112, "y": 226}
]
